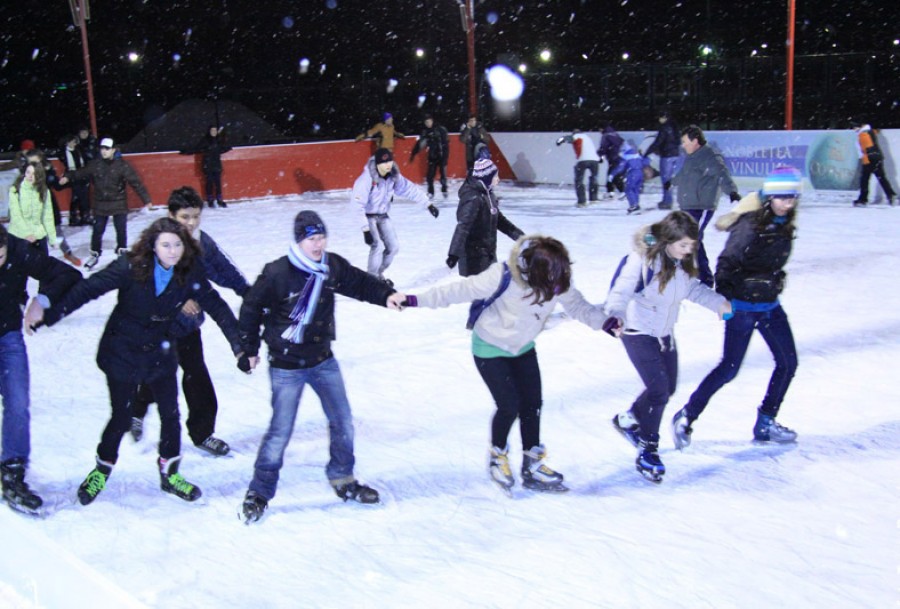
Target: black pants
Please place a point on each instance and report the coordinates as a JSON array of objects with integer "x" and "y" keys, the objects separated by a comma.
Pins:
[
  {"x": 213, "y": 186},
  {"x": 656, "y": 361},
  {"x": 121, "y": 398},
  {"x": 80, "y": 206},
  {"x": 473, "y": 264},
  {"x": 433, "y": 166},
  {"x": 580, "y": 168},
  {"x": 618, "y": 182},
  {"x": 120, "y": 222},
  {"x": 515, "y": 384},
  {"x": 703, "y": 216},
  {"x": 876, "y": 168},
  {"x": 199, "y": 392}
]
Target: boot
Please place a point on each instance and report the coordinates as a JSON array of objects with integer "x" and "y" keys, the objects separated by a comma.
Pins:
[
  {"x": 72, "y": 258},
  {"x": 648, "y": 462},
  {"x": 214, "y": 446},
  {"x": 15, "y": 491},
  {"x": 95, "y": 482},
  {"x": 357, "y": 492},
  {"x": 627, "y": 425},
  {"x": 499, "y": 468},
  {"x": 254, "y": 507},
  {"x": 92, "y": 260},
  {"x": 536, "y": 475},
  {"x": 767, "y": 429},
  {"x": 173, "y": 482}
]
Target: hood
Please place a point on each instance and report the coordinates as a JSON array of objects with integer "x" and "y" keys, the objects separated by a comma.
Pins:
[
  {"x": 639, "y": 242},
  {"x": 749, "y": 204},
  {"x": 513, "y": 260}
]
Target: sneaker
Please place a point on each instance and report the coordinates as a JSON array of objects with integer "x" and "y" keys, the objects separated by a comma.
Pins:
[
  {"x": 681, "y": 430},
  {"x": 254, "y": 507},
  {"x": 648, "y": 463},
  {"x": 536, "y": 475},
  {"x": 634, "y": 210},
  {"x": 137, "y": 428},
  {"x": 357, "y": 492},
  {"x": 859, "y": 203},
  {"x": 627, "y": 425},
  {"x": 767, "y": 429},
  {"x": 72, "y": 259},
  {"x": 92, "y": 260},
  {"x": 499, "y": 467},
  {"x": 214, "y": 446},
  {"x": 174, "y": 483},
  {"x": 94, "y": 483}
]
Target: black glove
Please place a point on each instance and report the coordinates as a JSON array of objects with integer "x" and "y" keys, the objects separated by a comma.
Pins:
[
  {"x": 734, "y": 196},
  {"x": 667, "y": 185},
  {"x": 452, "y": 260},
  {"x": 243, "y": 363},
  {"x": 368, "y": 238},
  {"x": 611, "y": 325},
  {"x": 434, "y": 211}
]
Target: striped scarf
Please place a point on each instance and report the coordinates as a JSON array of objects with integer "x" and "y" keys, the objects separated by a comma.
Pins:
[{"x": 305, "y": 308}]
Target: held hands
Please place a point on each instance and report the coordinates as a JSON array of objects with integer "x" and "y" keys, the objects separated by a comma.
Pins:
[
  {"x": 63, "y": 181},
  {"x": 368, "y": 238},
  {"x": 396, "y": 301},
  {"x": 33, "y": 316},
  {"x": 434, "y": 211},
  {"x": 613, "y": 326},
  {"x": 247, "y": 363},
  {"x": 734, "y": 196},
  {"x": 725, "y": 310},
  {"x": 190, "y": 308}
]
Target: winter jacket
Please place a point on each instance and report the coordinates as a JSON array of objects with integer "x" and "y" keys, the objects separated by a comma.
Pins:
[
  {"x": 89, "y": 148},
  {"x": 750, "y": 267},
  {"x": 649, "y": 311},
  {"x": 668, "y": 141},
  {"x": 136, "y": 345},
  {"x": 478, "y": 218},
  {"x": 374, "y": 193},
  {"x": 212, "y": 149},
  {"x": 512, "y": 321},
  {"x": 110, "y": 177},
  {"x": 272, "y": 298},
  {"x": 24, "y": 261},
  {"x": 868, "y": 145},
  {"x": 632, "y": 166},
  {"x": 583, "y": 146},
  {"x": 220, "y": 270},
  {"x": 384, "y": 135},
  {"x": 610, "y": 144},
  {"x": 436, "y": 139},
  {"x": 701, "y": 176},
  {"x": 473, "y": 138},
  {"x": 29, "y": 215}
]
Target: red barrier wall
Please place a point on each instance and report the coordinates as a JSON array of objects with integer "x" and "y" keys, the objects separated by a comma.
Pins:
[{"x": 260, "y": 171}]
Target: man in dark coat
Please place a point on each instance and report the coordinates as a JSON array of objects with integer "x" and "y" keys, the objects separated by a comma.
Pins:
[
  {"x": 474, "y": 137},
  {"x": 435, "y": 138},
  {"x": 668, "y": 146},
  {"x": 212, "y": 146},
  {"x": 478, "y": 218},
  {"x": 610, "y": 147}
]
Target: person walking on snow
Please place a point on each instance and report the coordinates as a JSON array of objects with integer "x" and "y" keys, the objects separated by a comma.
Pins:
[
  {"x": 586, "y": 160},
  {"x": 872, "y": 159}
]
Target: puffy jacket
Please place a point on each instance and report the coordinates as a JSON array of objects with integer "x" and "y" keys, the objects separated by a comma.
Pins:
[
  {"x": 436, "y": 139},
  {"x": 374, "y": 193},
  {"x": 29, "y": 215},
  {"x": 110, "y": 177},
  {"x": 384, "y": 135},
  {"x": 868, "y": 145},
  {"x": 667, "y": 142},
  {"x": 212, "y": 149},
  {"x": 702, "y": 175},
  {"x": 610, "y": 144}
]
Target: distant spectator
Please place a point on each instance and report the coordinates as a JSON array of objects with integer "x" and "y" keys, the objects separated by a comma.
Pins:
[
  {"x": 72, "y": 158},
  {"x": 383, "y": 133},
  {"x": 87, "y": 143},
  {"x": 436, "y": 139},
  {"x": 872, "y": 163},
  {"x": 474, "y": 137},
  {"x": 667, "y": 146},
  {"x": 212, "y": 146}
]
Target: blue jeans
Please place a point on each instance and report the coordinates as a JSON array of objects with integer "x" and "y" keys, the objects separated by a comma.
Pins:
[
  {"x": 776, "y": 331},
  {"x": 593, "y": 167},
  {"x": 668, "y": 166},
  {"x": 14, "y": 387},
  {"x": 385, "y": 245},
  {"x": 287, "y": 388}
]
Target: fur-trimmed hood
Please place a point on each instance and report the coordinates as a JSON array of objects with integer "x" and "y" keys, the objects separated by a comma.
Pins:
[
  {"x": 749, "y": 204},
  {"x": 515, "y": 267}
]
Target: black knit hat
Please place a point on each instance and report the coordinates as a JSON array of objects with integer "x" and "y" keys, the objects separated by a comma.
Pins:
[
  {"x": 383, "y": 155},
  {"x": 306, "y": 224}
]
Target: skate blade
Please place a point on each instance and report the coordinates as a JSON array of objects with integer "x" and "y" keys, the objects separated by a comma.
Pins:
[
  {"x": 547, "y": 488},
  {"x": 40, "y": 513},
  {"x": 506, "y": 488},
  {"x": 654, "y": 477},
  {"x": 248, "y": 521}
]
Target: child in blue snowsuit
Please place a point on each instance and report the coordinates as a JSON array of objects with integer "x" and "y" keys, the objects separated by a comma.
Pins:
[{"x": 632, "y": 166}]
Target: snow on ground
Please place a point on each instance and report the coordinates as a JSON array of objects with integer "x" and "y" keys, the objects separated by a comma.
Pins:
[{"x": 733, "y": 524}]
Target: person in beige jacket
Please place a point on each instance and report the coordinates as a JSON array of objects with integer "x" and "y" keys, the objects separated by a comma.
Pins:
[{"x": 383, "y": 133}]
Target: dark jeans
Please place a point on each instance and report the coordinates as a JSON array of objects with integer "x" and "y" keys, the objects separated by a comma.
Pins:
[
  {"x": 776, "y": 331},
  {"x": 15, "y": 389},
  {"x": 213, "y": 186},
  {"x": 867, "y": 171},
  {"x": 580, "y": 168},
  {"x": 703, "y": 216},
  {"x": 432, "y": 170},
  {"x": 121, "y": 397},
  {"x": 515, "y": 384},
  {"x": 120, "y": 222},
  {"x": 80, "y": 207},
  {"x": 656, "y": 362},
  {"x": 616, "y": 183},
  {"x": 199, "y": 392}
]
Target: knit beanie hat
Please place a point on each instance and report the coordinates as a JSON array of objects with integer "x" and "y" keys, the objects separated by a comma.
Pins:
[
  {"x": 386, "y": 116},
  {"x": 784, "y": 181},
  {"x": 383, "y": 155},
  {"x": 484, "y": 170},
  {"x": 306, "y": 224}
]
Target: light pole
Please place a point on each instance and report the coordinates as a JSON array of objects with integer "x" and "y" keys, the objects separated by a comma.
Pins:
[
  {"x": 468, "y": 21},
  {"x": 81, "y": 13},
  {"x": 789, "y": 85}
]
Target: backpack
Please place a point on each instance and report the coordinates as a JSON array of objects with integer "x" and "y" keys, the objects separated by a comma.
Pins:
[
  {"x": 478, "y": 306},
  {"x": 644, "y": 280}
]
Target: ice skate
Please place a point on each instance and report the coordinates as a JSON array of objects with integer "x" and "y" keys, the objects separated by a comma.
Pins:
[
  {"x": 681, "y": 430},
  {"x": 95, "y": 482},
  {"x": 253, "y": 508},
  {"x": 498, "y": 466},
  {"x": 634, "y": 210},
  {"x": 214, "y": 446},
  {"x": 92, "y": 261},
  {"x": 627, "y": 425},
  {"x": 354, "y": 491},
  {"x": 137, "y": 428},
  {"x": 768, "y": 430},
  {"x": 648, "y": 462},
  {"x": 15, "y": 490},
  {"x": 174, "y": 483},
  {"x": 537, "y": 476}
]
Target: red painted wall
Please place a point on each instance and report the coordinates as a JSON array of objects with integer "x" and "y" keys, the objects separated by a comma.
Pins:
[{"x": 260, "y": 171}]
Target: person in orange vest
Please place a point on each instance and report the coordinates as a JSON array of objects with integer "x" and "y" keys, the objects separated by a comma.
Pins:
[{"x": 872, "y": 163}]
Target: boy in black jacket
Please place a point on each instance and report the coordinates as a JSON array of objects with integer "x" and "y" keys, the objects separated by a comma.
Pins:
[
  {"x": 185, "y": 206},
  {"x": 19, "y": 261},
  {"x": 293, "y": 299}
]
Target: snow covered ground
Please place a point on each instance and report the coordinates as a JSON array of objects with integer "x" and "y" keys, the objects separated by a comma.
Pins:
[{"x": 733, "y": 524}]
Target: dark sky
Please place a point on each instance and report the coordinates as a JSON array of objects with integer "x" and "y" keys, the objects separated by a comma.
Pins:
[{"x": 231, "y": 47}]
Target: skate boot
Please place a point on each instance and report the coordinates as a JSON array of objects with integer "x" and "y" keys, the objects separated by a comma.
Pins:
[
  {"x": 627, "y": 425},
  {"x": 499, "y": 468},
  {"x": 15, "y": 490},
  {"x": 537, "y": 476},
  {"x": 357, "y": 492},
  {"x": 214, "y": 446},
  {"x": 254, "y": 507},
  {"x": 648, "y": 462},
  {"x": 92, "y": 260},
  {"x": 634, "y": 210},
  {"x": 681, "y": 429},
  {"x": 137, "y": 428},
  {"x": 767, "y": 429},
  {"x": 95, "y": 482},
  {"x": 173, "y": 482}
]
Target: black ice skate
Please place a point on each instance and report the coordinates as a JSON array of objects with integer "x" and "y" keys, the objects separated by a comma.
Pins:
[
  {"x": 627, "y": 425},
  {"x": 95, "y": 482},
  {"x": 648, "y": 462},
  {"x": 215, "y": 446},
  {"x": 253, "y": 508},
  {"x": 537, "y": 476},
  {"x": 355, "y": 491},
  {"x": 173, "y": 482},
  {"x": 15, "y": 490},
  {"x": 767, "y": 430},
  {"x": 137, "y": 428}
]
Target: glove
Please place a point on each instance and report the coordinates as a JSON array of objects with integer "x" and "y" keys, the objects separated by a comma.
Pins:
[
  {"x": 561, "y": 141},
  {"x": 667, "y": 185},
  {"x": 734, "y": 196},
  {"x": 434, "y": 211},
  {"x": 243, "y": 363},
  {"x": 368, "y": 238},
  {"x": 452, "y": 260},
  {"x": 611, "y": 325}
]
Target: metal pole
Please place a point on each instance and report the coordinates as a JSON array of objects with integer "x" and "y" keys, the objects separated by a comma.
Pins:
[
  {"x": 470, "y": 44},
  {"x": 789, "y": 94},
  {"x": 81, "y": 8}
]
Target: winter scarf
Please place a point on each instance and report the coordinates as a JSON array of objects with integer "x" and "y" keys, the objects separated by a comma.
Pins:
[{"x": 305, "y": 308}]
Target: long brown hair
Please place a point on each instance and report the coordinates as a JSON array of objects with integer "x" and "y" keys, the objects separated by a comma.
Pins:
[
  {"x": 674, "y": 227},
  {"x": 40, "y": 179},
  {"x": 142, "y": 256},
  {"x": 546, "y": 267}
]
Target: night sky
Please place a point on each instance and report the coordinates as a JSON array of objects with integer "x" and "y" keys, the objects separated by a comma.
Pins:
[{"x": 251, "y": 51}]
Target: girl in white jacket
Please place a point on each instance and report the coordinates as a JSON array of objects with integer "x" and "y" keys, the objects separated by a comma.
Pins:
[
  {"x": 538, "y": 276},
  {"x": 643, "y": 305}
]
